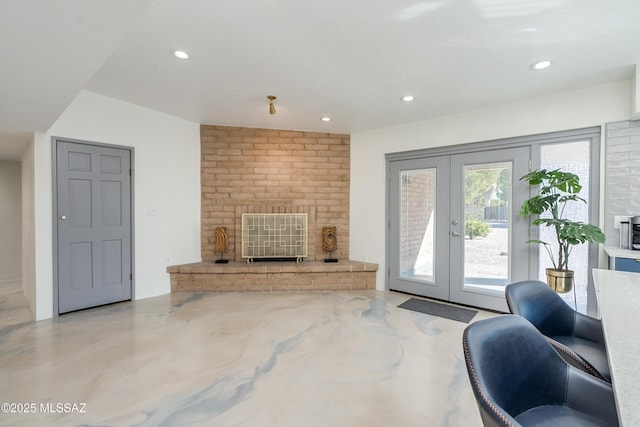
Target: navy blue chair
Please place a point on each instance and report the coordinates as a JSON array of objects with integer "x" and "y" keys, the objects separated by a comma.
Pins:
[
  {"x": 577, "y": 337},
  {"x": 518, "y": 379}
]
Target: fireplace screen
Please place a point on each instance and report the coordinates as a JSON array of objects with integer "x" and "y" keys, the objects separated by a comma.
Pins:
[{"x": 274, "y": 235}]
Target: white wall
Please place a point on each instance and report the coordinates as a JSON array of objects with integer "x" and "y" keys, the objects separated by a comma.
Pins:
[
  {"x": 166, "y": 188},
  {"x": 37, "y": 268},
  {"x": 10, "y": 222},
  {"x": 571, "y": 110},
  {"x": 43, "y": 227}
]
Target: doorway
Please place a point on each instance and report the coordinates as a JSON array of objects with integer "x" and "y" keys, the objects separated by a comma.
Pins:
[
  {"x": 92, "y": 225},
  {"x": 454, "y": 229},
  {"x": 11, "y": 225}
]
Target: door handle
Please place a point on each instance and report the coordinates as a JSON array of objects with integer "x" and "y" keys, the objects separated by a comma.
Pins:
[
  {"x": 63, "y": 217},
  {"x": 455, "y": 234}
]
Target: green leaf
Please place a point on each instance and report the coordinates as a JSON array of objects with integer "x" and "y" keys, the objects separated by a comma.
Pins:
[{"x": 537, "y": 241}]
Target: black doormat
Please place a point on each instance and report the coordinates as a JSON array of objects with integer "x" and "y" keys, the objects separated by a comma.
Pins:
[{"x": 442, "y": 310}]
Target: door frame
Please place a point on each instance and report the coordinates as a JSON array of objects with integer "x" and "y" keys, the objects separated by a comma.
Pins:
[
  {"x": 519, "y": 159},
  {"x": 449, "y": 251},
  {"x": 593, "y": 134},
  {"x": 54, "y": 213},
  {"x": 442, "y": 166}
]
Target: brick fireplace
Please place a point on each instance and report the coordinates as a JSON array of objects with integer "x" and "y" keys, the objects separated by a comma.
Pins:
[{"x": 246, "y": 170}]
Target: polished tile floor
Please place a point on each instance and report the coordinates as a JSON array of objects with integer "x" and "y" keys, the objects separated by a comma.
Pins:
[{"x": 253, "y": 359}]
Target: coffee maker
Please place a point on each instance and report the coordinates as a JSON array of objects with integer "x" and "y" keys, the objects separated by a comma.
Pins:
[{"x": 634, "y": 232}]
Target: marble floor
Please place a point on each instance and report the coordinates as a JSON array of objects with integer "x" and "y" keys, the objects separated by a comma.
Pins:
[{"x": 347, "y": 358}]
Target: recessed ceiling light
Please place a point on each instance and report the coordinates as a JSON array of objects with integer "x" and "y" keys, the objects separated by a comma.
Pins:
[
  {"x": 180, "y": 54},
  {"x": 325, "y": 119},
  {"x": 408, "y": 98},
  {"x": 540, "y": 65}
]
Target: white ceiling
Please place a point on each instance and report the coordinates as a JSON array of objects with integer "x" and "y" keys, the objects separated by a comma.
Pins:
[{"x": 349, "y": 59}]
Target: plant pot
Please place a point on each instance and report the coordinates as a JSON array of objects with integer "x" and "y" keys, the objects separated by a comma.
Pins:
[{"x": 560, "y": 281}]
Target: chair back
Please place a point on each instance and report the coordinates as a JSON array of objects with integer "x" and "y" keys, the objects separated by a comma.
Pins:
[
  {"x": 539, "y": 304},
  {"x": 512, "y": 368}
]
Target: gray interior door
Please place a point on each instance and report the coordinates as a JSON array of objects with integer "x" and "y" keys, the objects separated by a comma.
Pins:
[{"x": 94, "y": 264}]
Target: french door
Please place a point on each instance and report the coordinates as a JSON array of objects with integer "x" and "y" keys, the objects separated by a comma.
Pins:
[{"x": 454, "y": 231}]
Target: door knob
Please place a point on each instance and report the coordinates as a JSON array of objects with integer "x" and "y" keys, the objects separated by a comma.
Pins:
[{"x": 63, "y": 217}]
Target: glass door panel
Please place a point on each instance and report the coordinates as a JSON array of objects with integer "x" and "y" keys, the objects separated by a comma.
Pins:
[
  {"x": 417, "y": 224},
  {"x": 487, "y": 217},
  {"x": 574, "y": 157}
]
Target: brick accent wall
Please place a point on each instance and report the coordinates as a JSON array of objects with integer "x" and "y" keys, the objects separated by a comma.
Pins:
[{"x": 273, "y": 170}]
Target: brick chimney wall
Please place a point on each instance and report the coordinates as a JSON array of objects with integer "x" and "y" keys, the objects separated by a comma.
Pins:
[{"x": 293, "y": 170}]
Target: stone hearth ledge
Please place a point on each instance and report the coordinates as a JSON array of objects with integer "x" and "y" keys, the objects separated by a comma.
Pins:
[{"x": 268, "y": 276}]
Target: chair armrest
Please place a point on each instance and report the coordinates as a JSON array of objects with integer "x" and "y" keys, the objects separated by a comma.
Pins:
[
  {"x": 592, "y": 396},
  {"x": 588, "y": 328},
  {"x": 574, "y": 359}
]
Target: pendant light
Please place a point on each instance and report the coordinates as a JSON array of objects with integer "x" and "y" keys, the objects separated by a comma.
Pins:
[{"x": 272, "y": 108}]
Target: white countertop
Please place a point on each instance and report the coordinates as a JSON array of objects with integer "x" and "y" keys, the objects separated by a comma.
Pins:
[
  {"x": 618, "y": 296},
  {"x": 617, "y": 252}
]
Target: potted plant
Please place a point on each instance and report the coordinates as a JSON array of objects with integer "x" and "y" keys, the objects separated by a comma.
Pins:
[{"x": 557, "y": 188}]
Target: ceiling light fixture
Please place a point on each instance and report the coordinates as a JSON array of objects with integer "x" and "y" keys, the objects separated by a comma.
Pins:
[
  {"x": 408, "y": 98},
  {"x": 180, "y": 54},
  {"x": 540, "y": 65},
  {"x": 272, "y": 108},
  {"x": 325, "y": 119}
]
